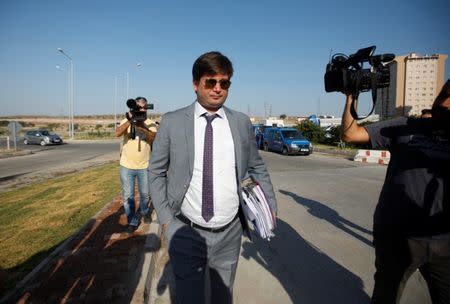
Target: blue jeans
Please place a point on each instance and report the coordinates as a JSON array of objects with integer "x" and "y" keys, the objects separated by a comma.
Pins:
[{"x": 128, "y": 177}]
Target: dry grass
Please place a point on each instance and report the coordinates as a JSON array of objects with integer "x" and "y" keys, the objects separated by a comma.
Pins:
[{"x": 36, "y": 218}]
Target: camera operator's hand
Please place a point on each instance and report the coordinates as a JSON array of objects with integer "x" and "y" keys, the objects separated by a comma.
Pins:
[
  {"x": 129, "y": 115},
  {"x": 122, "y": 129}
]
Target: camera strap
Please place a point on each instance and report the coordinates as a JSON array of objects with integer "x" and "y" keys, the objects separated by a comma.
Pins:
[{"x": 373, "y": 82}]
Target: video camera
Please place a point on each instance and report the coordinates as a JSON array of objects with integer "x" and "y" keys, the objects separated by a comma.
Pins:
[
  {"x": 346, "y": 74},
  {"x": 137, "y": 115}
]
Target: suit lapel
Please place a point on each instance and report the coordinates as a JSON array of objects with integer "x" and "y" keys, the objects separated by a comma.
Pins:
[
  {"x": 233, "y": 122},
  {"x": 190, "y": 135}
]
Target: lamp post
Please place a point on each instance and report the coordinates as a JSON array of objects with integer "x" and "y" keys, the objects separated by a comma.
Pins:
[
  {"x": 59, "y": 68},
  {"x": 128, "y": 80},
  {"x": 115, "y": 102},
  {"x": 115, "y": 92},
  {"x": 71, "y": 123}
]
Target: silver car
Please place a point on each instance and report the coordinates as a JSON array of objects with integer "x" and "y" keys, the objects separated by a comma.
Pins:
[{"x": 42, "y": 137}]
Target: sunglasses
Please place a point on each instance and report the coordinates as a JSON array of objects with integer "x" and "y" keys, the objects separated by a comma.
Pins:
[{"x": 210, "y": 83}]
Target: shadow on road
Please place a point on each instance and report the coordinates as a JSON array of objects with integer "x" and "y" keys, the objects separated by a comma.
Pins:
[
  {"x": 306, "y": 274},
  {"x": 324, "y": 212}
]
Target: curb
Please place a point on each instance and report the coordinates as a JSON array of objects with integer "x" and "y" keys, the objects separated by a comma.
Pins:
[
  {"x": 152, "y": 244},
  {"x": 15, "y": 153},
  {"x": 156, "y": 229},
  {"x": 373, "y": 156},
  {"x": 345, "y": 153}
]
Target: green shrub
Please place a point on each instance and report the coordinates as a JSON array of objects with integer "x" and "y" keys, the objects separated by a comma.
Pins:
[{"x": 311, "y": 131}]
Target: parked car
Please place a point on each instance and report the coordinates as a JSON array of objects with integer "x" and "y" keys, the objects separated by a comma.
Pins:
[
  {"x": 286, "y": 141},
  {"x": 42, "y": 137}
]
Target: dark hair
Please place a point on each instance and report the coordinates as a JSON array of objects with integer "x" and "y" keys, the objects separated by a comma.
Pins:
[
  {"x": 141, "y": 98},
  {"x": 443, "y": 95},
  {"x": 211, "y": 63}
]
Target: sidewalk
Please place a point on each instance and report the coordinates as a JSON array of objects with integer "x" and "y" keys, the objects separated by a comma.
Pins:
[{"x": 99, "y": 264}]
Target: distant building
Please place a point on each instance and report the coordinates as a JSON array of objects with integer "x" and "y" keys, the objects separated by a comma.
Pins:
[
  {"x": 415, "y": 82},
  {"x": 271, "y": 122}
]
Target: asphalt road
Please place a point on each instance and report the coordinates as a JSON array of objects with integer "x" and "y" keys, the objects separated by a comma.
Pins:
[
  {"x": 55, "y": 159},
  {"x": 322, "y": 252}
]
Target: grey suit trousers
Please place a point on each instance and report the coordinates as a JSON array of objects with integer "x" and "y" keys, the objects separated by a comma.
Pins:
[{"x": 204, "y": 263}]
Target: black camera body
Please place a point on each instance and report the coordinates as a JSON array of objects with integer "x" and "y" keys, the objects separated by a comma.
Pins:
[
  {"x": 346, "y": 74},
  {"x": 136, "y": 114}
]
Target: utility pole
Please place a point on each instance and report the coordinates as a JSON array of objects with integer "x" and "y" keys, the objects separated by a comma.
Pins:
[{"x": 318, "y": 110}]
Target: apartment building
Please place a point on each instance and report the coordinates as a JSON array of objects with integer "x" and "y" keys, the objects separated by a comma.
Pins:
[{"x": 415, "y": 82}]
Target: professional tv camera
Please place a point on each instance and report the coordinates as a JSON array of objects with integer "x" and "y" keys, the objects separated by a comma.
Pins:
[
  {"x": 137, "y": 115},
  {"x": 346, "y": 73}
]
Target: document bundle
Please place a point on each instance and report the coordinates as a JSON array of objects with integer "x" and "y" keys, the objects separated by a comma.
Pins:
[{"x": 257, "y": 210}]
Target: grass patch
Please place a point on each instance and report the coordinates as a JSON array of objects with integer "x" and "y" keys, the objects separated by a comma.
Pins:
[{"x": 35, "y": 219}]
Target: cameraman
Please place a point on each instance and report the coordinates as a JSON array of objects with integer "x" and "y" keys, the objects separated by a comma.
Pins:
[
  {"x": 412, "y": 219},
  {"x": 134, "y": 161}
]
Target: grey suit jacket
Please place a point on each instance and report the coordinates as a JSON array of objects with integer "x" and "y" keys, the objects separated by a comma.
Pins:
[{"x": 172, "y": 160}]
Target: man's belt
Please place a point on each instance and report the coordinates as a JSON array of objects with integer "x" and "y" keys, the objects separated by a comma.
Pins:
[{"x": 187, "y": 221}]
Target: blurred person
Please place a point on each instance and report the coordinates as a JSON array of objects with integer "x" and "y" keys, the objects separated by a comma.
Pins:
[
  {"x": 412, "y": 218},
  {"x": 202, "y": 153},
  {"x": 134, "y": 162}
]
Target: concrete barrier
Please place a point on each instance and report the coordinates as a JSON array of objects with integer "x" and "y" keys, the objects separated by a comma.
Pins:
[{"x": 373, "y": 156}]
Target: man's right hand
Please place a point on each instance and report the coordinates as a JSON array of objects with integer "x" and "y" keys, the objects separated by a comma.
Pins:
[{"x": 165, "y": 225}]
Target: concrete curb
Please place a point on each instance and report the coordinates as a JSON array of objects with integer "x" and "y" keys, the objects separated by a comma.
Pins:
[
  {"x": 15, "y": 153},
  {"x": 345, "y": 153},
  {"x": 154, "y": 228},
  {"x": 373, "y": 156},
  {"x": 152, "y": 244}
]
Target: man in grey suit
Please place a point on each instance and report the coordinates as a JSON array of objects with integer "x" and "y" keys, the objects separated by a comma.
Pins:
[{"x": 200, "y": 156}]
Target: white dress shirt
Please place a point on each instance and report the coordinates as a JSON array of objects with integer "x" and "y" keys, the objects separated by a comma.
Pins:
[{"x": 226, "y": 199}]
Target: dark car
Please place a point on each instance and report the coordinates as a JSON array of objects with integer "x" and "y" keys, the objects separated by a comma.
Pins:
[{"x": 42, "y": 137}]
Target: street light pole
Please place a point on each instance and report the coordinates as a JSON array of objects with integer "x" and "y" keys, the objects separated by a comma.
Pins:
[
  {"x": 128, "y": 80},
  {"x": 71, "y": 90},
  {"x": 59, "y": 68},
  {"x": 115, "y": 102},
  {"x": 128, "y": 85}
]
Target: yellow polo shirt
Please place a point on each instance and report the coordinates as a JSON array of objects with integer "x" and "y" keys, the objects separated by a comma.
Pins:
[{"x": 131, "y": 157}]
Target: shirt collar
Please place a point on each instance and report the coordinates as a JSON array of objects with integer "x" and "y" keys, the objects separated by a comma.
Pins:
[{"x": 200, "y": 110}]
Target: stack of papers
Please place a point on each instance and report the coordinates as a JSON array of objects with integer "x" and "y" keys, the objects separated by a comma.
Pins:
[{"x": 257, "y": 210}]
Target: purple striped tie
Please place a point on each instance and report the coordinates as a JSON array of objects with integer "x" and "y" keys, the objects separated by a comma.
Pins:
[{"x": 207, "y": 183}]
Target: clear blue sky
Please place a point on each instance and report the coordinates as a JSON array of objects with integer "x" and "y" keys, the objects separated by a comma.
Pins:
[{"x": 279, "y": 49}]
